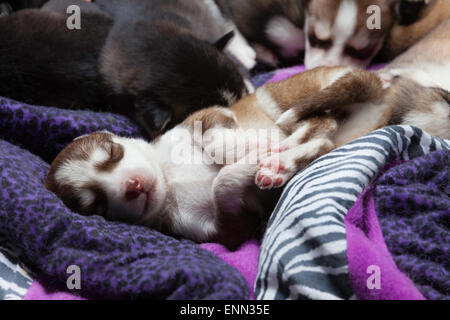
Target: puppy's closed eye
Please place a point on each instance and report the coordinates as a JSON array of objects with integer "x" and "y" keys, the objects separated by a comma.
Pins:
[
  {"x": 99, "y": 203},
  {"x": 115, "y": 153}
]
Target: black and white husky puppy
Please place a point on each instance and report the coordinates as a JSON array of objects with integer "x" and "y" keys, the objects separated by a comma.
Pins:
[{"x": 156, "y": 61}]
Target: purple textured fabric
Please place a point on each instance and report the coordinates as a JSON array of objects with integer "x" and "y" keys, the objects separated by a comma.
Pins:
[
  {"x": 366, "y": 249},
  {"x": 117, "y": 261},
  {"x": 412, "y": 201},
  {"x": 45, "y": 131},
  {"x": 400, "y": 224}
]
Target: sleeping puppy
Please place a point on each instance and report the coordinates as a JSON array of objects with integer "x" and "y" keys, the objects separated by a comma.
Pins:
[
  {"x": 337, "y": 32},
  {"x": 156, "y": 62},
  {"x": 211, "y": 178},
  {"x": 201, "y": 18},
  {"x": 273, "y": 27}
]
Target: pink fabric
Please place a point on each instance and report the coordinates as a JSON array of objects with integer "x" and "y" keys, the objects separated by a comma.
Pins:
[
  {"x": 38, "y": 292},
  {"x": 245, "y": 259},
  {"x": 283, "y": 74},
  {"x": 366, "y": 247}
]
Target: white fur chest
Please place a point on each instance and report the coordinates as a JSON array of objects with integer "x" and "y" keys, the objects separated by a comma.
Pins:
[{"x": 189, "y": 181}]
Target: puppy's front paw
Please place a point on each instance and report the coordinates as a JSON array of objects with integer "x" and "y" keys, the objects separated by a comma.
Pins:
[
  {"x": 287, "y": 120},
  {"x": 240, "y": 49},
  {"x": 272, "y": 174}
]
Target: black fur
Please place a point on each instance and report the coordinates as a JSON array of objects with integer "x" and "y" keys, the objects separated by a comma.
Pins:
[
  {"x": 7, "y": 7},
  {"x": 151, "y": 60},
  {"x": 409, "y": 11}
]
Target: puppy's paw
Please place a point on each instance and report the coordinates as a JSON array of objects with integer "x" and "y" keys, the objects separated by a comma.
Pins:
[
  {"x": 287, "y": 120},
  {"x": 272, "y": 174},
  {"x": 240, "y": 49}
]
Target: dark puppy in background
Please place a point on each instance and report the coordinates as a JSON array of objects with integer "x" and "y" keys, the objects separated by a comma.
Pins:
[
  {"x": 6, "y": 7},
  {"x": 154, "y": 61}
]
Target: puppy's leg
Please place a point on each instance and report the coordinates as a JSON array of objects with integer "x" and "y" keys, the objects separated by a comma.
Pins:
[
  {"x": 357, "y": 86},
  {"x": 312, "y": 128},
  {"x": 235, "y": 220},
  {"x": 242, "y": 51},
  {"x": 310, "y": 140}
]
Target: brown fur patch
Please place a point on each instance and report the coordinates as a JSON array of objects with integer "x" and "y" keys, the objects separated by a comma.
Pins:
[
  {"x": 211, "y": 118},
  {"x": 403, "y": 37},
  {"x": 357, "y": 86},
  {"x": 79, "y": 149},
  {"x": 100, "y": 204},
  {"x": 115, "y": 152},
  {"x": 406, "y": 95}
]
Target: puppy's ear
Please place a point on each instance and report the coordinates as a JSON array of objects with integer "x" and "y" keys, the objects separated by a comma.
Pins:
[
  {"x": 153, "y": 117},
  {"x": 222, "y": 43}
]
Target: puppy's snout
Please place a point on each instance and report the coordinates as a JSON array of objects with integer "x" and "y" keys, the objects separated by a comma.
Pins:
[
  {"x": 134, "y": 188},
  {"x": 332, "y": 62}
]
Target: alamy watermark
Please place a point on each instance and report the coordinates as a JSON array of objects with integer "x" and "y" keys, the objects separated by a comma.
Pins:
[
  {"x": 374, "y": 20},
  {"x": 73, "y": 282},
  {"x": 222, "y": 146},
  {"x": 73, "y": 22},
  {"x": 374, "y": 280}
]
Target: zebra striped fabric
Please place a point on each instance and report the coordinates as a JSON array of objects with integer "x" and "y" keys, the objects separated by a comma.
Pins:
[
  {"x": 303, "y": 254},
  {"x": 14, "y": 280}
]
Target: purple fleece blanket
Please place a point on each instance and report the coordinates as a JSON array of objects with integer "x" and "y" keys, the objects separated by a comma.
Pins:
[
  {"x": 117, "y": 261},
  {"x": 400, "y": 227}
]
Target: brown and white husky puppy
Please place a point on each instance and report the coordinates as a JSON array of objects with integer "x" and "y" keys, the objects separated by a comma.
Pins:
[
  {"x": 181, "y": 185},
  {"x": 337, "y": 32}
]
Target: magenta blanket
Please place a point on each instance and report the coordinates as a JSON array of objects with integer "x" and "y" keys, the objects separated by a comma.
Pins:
[{"x": 367, "y": 254}]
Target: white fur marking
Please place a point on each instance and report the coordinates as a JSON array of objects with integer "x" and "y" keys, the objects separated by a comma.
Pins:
[
  {"x": 241, "y": 50},
  {"x": 284, "y": 33},
  {"x": 268, "y": 104}
]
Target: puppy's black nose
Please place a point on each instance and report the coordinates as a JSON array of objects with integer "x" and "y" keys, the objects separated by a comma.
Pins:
[{"x": 134, "y": 189}]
